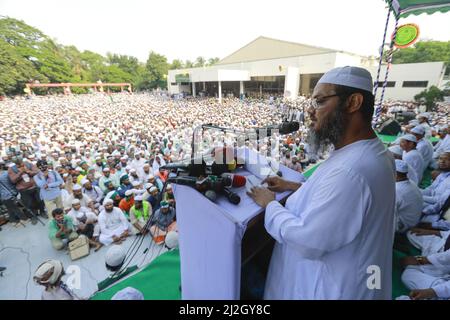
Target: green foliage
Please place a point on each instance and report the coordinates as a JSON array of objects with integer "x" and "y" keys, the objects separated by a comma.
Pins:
[
  {"x": 27, "y": 55},
  {"x": 430, "y": 96},
  {"x": 424, "y": 51}
]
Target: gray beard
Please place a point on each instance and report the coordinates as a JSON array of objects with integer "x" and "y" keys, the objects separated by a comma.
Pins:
[{"x": 330, "y": 133}]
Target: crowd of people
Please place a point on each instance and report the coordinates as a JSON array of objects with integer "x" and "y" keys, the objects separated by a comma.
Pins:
[{"x": 92, "y": 164}]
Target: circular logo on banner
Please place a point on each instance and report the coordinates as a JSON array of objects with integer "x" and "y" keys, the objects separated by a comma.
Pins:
[{"x": 407, "y": 34}]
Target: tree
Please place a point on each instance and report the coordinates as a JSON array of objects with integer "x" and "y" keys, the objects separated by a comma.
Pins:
[
  {"x": 156, "y": 69},
  {"x": 213, "y": 61},
  {"x": 176, "y": 64},
  {"x": 430, "y": 97},
  {"x": 200, "y": 62},
  {"x": 188, "y": 64}
]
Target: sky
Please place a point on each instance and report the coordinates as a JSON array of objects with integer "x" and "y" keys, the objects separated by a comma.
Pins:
[{"x": 186, "y": 29}]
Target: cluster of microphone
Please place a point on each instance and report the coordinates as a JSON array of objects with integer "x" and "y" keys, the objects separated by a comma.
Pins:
[{"x": 211, "y": 185}]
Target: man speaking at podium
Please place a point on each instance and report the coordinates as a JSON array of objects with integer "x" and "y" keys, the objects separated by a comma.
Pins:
[{"x": 334, "y": 236}]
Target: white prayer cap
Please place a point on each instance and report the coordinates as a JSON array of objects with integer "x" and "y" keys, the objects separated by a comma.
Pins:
[
  {"x": 132, "y": 170},
  {"x": 75, "y": 201},
  {"x": 76, "y": 187},
  {"x": 153, "y": 189},
  {"x": 45, "y": 268},
  {"x": 169, "y": 187},
  {"x": 115, "y": 256},
  {"x": 409, "y": 137},
  {"x": 148, "y": 186},
  {"x": 128, "y": 293},
  {"x": 98, "y": 158},
  {"x": 106, "y": 170},
  {"x": 123, "y": 158},
  {"x": 135, "y": 183},
  {"x": 78, "y": 169},
  {"x": 401, "y": 166},
  {"x": 171, "y": 239},
  {"x": 418, "y": 130},
  {"x": 65, "y": 175},
  {"x": 354, "y": 77},
  {"x": 128, "y": 193},
  {"x": 128, "y": 168},
  {"x": 84, "y": 181},
  {"x": 413, "y": 122},
  {"x": 138, "y": 198},
  {"x": 151, "y": 176},
  {"x": 423, "y": 115},
  {"x": 107, "y": 201},
  {"x": 396, "y": 150}
]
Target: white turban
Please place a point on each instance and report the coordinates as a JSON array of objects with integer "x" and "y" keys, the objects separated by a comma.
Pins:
[{"x": 54, "y": 266}]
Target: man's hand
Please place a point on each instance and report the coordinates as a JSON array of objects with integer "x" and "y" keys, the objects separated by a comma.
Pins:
[
  {"x": 277, "y": 184},
  {"x": 422, "y": 294},
  {"x": 261, "y": 196},
  {"x": 124, "y": 234},
  {"x": 408, "y": 261}
]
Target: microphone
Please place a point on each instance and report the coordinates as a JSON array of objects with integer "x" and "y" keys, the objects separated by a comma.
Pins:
[
  {"x": 283, "y": 128},
  {"x": 237, "y": 181},
  {"x": 231, "y": 196}
]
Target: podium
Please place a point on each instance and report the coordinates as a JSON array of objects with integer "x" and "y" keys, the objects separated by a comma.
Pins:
[{"x": 217, "y": 239}]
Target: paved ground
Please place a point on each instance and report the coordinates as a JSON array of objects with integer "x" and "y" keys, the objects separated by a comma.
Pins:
[{"x": 23, "y": 249}]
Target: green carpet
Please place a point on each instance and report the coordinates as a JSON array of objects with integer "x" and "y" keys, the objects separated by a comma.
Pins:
[{"x": 160, "y": 280}]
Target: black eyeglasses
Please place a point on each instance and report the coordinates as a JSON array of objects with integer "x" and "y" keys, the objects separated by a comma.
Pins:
[{"x": 319, "y": 104}]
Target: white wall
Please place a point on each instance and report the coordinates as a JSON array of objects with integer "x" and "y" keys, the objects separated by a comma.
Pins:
[{"x": 433, "y": 72}]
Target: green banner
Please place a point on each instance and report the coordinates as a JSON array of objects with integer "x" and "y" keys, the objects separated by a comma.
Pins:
[{"x": 182, "y": 77}]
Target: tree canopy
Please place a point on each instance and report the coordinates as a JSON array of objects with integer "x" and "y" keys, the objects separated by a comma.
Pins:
[{"x": 28, "y": 55}]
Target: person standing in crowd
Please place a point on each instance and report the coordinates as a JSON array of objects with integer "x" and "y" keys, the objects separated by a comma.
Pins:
[
  {"x": 21, "y": 175},
  {"x": 49, "y": 183},
  {"x": 341, "y": 113}
]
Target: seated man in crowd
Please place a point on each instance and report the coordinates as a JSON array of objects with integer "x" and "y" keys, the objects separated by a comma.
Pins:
[
  {"x": 409, "y": 200},
  {"x": 85, "y": 200},
  {"x": 61, "y": 229},
  {"x": 85, "y": 222},
  {"x": 126, "y": 203},
  {"x": 441, "y": 146},
  {"x": 140, "y": 213},
  {"x": 169, "y": 196},
  {"x": 153, "y": 198},
  {"x": 163, "y": 222},
  {"x": 114, "y": 226},
  {"x": 411, "y": 156},
  {"x": 93, "y": 192},
  {"x": 125, "y": 185},
  {"x": 430, "y": 272},
  {"x": 423, "y": 145},
  {"x": 397, "y": 152}
]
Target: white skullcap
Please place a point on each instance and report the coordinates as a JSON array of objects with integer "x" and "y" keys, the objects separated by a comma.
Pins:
[
  {"x": 409, "y": 137},
  {"x": 424, "y": 115},
  {"x": 107, "y": 201},
  {"x": 98, "y": 158},
  {"x": 132, "y": 170},
  {"x": 128, "y": 293},
  {"x": 354, "y": 77},
  {"x": 75, "y": 201},
  {"x": 115, "y": 256},
  {"x": 396, "y": 150},
  {"x": 148, "y": 186},
  {"x": 128, "y": 193},
  {"x": 65, "y": 175},
  {"x": 78, "y": 169},
  {"x": 45, "y": 268},
  {"x": 418, "y": 130},
  {"x": 76, "y": 187},
  {"x": 123, "y": 158},
  {"x": 106, "y": 170},
  {"x": 84, "y": 181},
  {"x": 153, "y": 189},
  {"x": 135, "y": 183},
  {"x": 171, "y": 239},
  {"x": 401, "y": 166},
  {"x": 169, "y": 187},
  {"x": 138, "y": 198},
  {"x": 128, "y": 168},
  {"x": 151, "y": 176}
]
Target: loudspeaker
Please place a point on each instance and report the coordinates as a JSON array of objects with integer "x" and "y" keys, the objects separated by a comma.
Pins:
[{"x": 390, "y": 127}]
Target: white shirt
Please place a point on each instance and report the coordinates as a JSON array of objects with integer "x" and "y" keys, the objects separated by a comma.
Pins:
[
  {"x": 426, "y": 151},
  {"x": 75, "y": 214},
  {"x": 441, "y": 146},
  {"x": 414, "y": 159},
  {"x": 110, "y": 222},
  {"x": 408, "y": 205},
  {"x": 335, "y": 228}
]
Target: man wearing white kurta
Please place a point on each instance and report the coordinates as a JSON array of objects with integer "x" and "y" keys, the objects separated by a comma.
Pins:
[
  {"x": 114, "y": 226},
  {"x": 408, "y": 202},
  {"x": 412, "y": 157},
  {"x": 423, "y": 145},
  {"x": 334, "y": 236}
]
